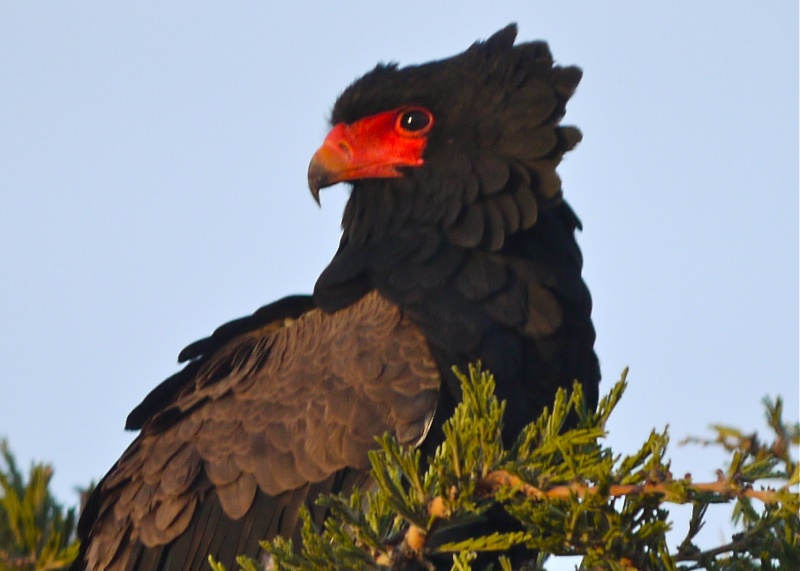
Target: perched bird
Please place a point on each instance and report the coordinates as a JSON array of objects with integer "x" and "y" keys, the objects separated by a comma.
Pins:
[{"x": 456, "y": 247}]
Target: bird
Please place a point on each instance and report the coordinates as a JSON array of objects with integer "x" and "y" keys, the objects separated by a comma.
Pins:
[{"x": 457, "y": 246}]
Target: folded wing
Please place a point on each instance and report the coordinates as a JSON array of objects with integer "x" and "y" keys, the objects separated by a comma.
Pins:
[{"x": 273, "y": 417}]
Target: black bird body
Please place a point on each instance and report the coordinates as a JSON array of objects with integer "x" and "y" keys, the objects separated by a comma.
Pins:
[{"x": 462, "y": 250}]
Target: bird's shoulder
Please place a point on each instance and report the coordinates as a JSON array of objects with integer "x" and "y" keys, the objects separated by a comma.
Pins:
[{"x": 264, "y": 320}]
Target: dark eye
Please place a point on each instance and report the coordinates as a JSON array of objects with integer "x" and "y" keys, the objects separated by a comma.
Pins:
[{"x": 415, "y": 121}]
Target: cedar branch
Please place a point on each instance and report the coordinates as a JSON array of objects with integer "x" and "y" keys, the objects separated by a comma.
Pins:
[{"x": 499, "y": 478}]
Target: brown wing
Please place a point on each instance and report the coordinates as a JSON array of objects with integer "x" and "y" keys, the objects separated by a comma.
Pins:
[{"x": 275, "y": 416}]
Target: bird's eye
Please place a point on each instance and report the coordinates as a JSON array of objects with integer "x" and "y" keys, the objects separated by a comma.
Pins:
[{"x": 415, "y": 122}]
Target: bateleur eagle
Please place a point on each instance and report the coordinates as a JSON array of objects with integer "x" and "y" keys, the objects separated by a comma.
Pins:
[{"x": 456, "y": 247}]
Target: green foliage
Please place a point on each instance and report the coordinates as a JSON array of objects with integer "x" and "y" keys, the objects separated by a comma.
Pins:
[
  {"x": 770, "y": 533},
  {"x": 36, "y": 533},
  {"x": 570, "y": 493}
]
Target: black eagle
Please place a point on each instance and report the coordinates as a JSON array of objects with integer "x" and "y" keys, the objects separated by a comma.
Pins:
[{"x": 457, "y": 246}]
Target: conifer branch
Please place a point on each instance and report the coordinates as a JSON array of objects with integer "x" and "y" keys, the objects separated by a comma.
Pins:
[
  {"x": 725, "y": 489},
  {"x": 36, "y": 532},
  {"x": 569, "y": 493}
]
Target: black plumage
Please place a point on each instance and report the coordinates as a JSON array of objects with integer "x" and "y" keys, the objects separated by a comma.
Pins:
[{"x": 457, "y": 246}]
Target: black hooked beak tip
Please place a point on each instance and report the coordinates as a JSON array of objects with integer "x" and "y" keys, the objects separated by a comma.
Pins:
[{"x": 318, "y": 178}]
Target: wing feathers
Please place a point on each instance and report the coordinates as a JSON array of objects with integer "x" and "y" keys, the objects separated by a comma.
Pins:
[
  {"x": 181, "y": 472},
  {"x": 273, "y": 410},
  {"x": 237, "y": 495}
]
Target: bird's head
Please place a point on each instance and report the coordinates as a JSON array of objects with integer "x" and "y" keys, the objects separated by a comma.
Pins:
[{"x": 455, "y": 132}]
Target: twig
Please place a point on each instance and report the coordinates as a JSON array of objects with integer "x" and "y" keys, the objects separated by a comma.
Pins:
[{"x": 499, "y": 478}]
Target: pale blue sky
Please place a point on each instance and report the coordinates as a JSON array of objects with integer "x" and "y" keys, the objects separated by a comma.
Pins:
[{"x": 152, "y": 186}]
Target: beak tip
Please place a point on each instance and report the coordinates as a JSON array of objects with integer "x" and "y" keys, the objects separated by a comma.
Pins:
[{"x": 318, "y": 178}]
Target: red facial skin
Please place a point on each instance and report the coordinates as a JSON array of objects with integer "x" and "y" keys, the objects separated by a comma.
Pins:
[{"x": 372, "y": 147}]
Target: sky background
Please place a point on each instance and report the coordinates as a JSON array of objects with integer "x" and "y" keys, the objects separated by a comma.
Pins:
[{"x": 153, "y": 185}]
